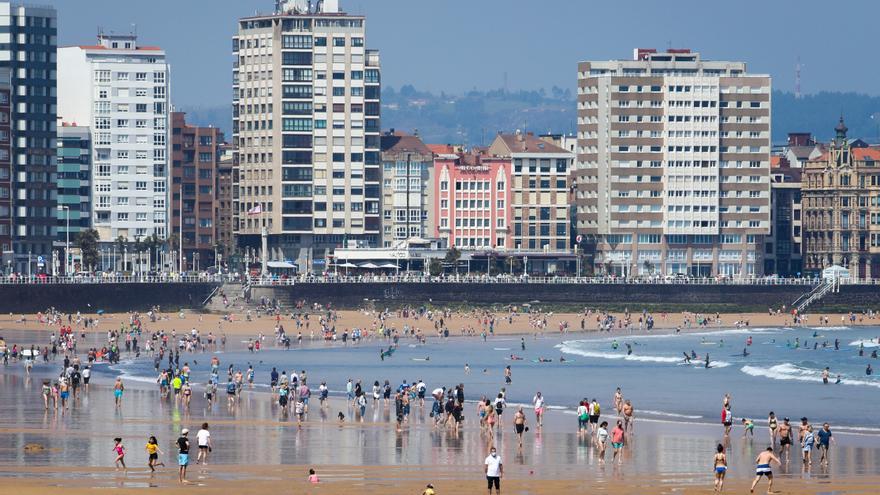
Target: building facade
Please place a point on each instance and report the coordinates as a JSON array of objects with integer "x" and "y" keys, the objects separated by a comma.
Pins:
[
  {"x": 29, "y": 53},
  {"x": 74, "y": 181},
  {"x": 223, "y": 211},
  {"x": 841, "y": 207},
  {"x": 6, "y": 189},
  {"x": 673, "y": 172},
  {"x": 540, "y": 185},
  {"x": 121, "y": 90},
  {"x": 407, "y": 195},
  {"x": 472, "y": 198},
  {"x": 195, "y": 155},
  {"x": 306, "y": 97},
  {"x": 783, "y": 247}
]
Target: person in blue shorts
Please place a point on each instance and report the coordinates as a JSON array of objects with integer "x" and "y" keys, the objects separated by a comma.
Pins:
[{"x": 183, "y": 455}]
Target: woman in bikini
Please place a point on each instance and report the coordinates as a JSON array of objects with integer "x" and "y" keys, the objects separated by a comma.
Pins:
[
  {"x": 772, "y": 424},
  {"x": 720, "y": 463}
]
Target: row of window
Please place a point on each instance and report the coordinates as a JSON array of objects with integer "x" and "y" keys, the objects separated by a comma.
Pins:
[{"x": 104, "y": 76}]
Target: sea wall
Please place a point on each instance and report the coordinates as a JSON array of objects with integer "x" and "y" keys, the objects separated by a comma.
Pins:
[
  {"x": 635, "y": 297},
  {"x": 856, "y": 298},
  {"x": 30, "y": 298}
]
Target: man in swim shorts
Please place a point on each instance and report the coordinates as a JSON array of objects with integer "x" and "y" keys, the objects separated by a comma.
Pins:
[{"x": 763, "y": 462}]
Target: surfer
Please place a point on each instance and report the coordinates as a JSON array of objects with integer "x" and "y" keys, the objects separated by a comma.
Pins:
[
  {"x": 707, "y": 361},
  {"x": 687, "y": 359}
]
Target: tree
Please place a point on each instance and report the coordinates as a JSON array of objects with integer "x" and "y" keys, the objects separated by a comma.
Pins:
[
  {"x": 87, "y": 242},
  {"x": 452, "y": 257},
  {"x": 435, "y": 267}
]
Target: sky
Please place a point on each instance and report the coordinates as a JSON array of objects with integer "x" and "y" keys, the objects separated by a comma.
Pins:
[{"x": 458, "y": 45}]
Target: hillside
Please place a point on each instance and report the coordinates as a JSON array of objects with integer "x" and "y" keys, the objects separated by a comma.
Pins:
[{"x": 473, "y": 118}]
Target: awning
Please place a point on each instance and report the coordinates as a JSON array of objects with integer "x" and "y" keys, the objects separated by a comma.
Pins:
[
  {"x": 346, "y": 265},
  {"x": 279, "y": 264},
  {"x": 369, "y": 266},
  {"x": 389, "y": 265}
]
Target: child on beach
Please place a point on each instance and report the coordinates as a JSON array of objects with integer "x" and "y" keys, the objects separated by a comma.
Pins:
[
  {"x": 749, "y": 427},
  {"x": 120, "y": 453},
  {"x": 153, "y": 452},
  {"x": 313, "y": 477}
]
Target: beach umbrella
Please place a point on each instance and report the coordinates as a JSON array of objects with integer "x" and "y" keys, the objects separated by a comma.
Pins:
[
  {"x": 389, "y": 265},
  {"x": 369, "y": 266}
]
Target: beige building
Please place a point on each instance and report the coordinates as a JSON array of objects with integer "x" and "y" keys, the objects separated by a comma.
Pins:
[
  {"x": 407, "y": 193},
  {"x": 306, "y": 125},
  {"x": 539, "y": 200},
  {"x": 841, "y": 205},
  {"x": 673, "y": 165}
]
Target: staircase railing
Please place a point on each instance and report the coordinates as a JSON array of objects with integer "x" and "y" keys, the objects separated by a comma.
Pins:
[{"x": 818, "y": 292}]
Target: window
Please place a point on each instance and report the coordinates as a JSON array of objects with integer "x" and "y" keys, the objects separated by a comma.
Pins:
[{"x": 338, "y": 41}]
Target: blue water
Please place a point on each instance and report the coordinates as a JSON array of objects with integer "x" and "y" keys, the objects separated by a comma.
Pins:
[{"x": 775, "y": 376}]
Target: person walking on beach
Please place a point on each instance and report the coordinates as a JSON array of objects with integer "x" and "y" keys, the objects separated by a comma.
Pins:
[
  {"x": 617, "y": 439},
  {"x": 807, "y": 444},
  {"x": 519, "y": 425},
  {"x": 602, "y": 440},
  {"x": 785, "y": 437},
  {"x": 763, "y": 462},
  {"x": 494, "y": 469},
  {"x": 118, "y": 388},
  {"x": 727, "y": 419},
  {"x": 772, "y": 425},
  {"x": 720, "y": 462},
  {"x": 120, "y": 453},
  {"x": 203, "y": 437},
  {"x": 825, "y": 440},
  {"x": 538, "y": 401},
  {"x": 628, "y": 417},
  {"x": 153, "y": 452},
  {"x": 183, "y": 455}
]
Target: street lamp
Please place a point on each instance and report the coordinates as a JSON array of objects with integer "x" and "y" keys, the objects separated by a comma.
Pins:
[{"x": 66, "y": 240}]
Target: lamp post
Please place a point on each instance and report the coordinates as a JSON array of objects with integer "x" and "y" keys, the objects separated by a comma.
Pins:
[{"x": 66, "y": 209}]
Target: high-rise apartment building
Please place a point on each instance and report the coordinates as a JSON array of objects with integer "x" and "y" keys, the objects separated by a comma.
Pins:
[
  {"x": 407, "y": 195},
  {"x": 28, "y": 51},
  {"x": 6, "y": 190},
  {"x": 121, "y": 90},
  {"x": 841, "y": 208},
  {"x": 74, "y": 183},
  {"x": 306, "y": 125},
  {"x": 472, "y": 194},
  {"x": 673, "y": 172},
  {"x": 195, "y": 155},
  {"x": 540, "y": 185}
]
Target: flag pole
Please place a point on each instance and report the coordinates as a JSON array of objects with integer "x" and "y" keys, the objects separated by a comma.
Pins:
[{"x": 265, "y": 241}]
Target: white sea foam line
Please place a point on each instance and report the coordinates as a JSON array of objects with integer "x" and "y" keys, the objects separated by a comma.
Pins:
[
  {"x": 788, "y": 371},
  {"x": 865, "y": 342},
  {"x": 569, "y": 349}
]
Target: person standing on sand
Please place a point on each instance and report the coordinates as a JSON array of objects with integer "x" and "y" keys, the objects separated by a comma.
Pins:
[
  {"x": 494, "y": 470},
  {"x": 720, "y": 465},
  {"x": 807, "y": 444},
  {"x": 617, "y": 439},
  {"x": 628, "y": 417},
  {"x": 183, "y": 455},
  {"x": 763, "y": 468}
]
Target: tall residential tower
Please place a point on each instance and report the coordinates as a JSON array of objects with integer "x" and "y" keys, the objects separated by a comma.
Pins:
[
  {"x": 121, "y": 91},
  {"x": 673, "y": 172},
  {"x": 306, "y": 126},
  {"x": 27, "y": 49}
]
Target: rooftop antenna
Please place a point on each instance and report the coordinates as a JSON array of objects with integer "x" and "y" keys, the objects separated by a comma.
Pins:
[{"x": 797, "y": 78}]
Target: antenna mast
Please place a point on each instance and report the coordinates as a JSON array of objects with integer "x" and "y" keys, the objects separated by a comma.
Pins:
[{"x": 797, "y": 79}]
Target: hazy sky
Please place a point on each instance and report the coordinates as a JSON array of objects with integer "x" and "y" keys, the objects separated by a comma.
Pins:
[{"x": 456, "y": 45}]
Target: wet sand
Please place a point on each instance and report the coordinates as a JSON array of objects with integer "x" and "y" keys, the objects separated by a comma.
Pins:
[{"x": 257, "y": 450}]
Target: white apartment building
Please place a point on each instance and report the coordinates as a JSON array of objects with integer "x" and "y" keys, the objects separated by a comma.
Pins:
[
  {"x": 122, "y": 91},
  {"x": 306, "y": 125},
  {"x": 673, "y": 172}
]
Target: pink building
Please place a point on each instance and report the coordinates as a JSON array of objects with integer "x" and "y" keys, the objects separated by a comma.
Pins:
[{"x": 472, "y": 200}]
